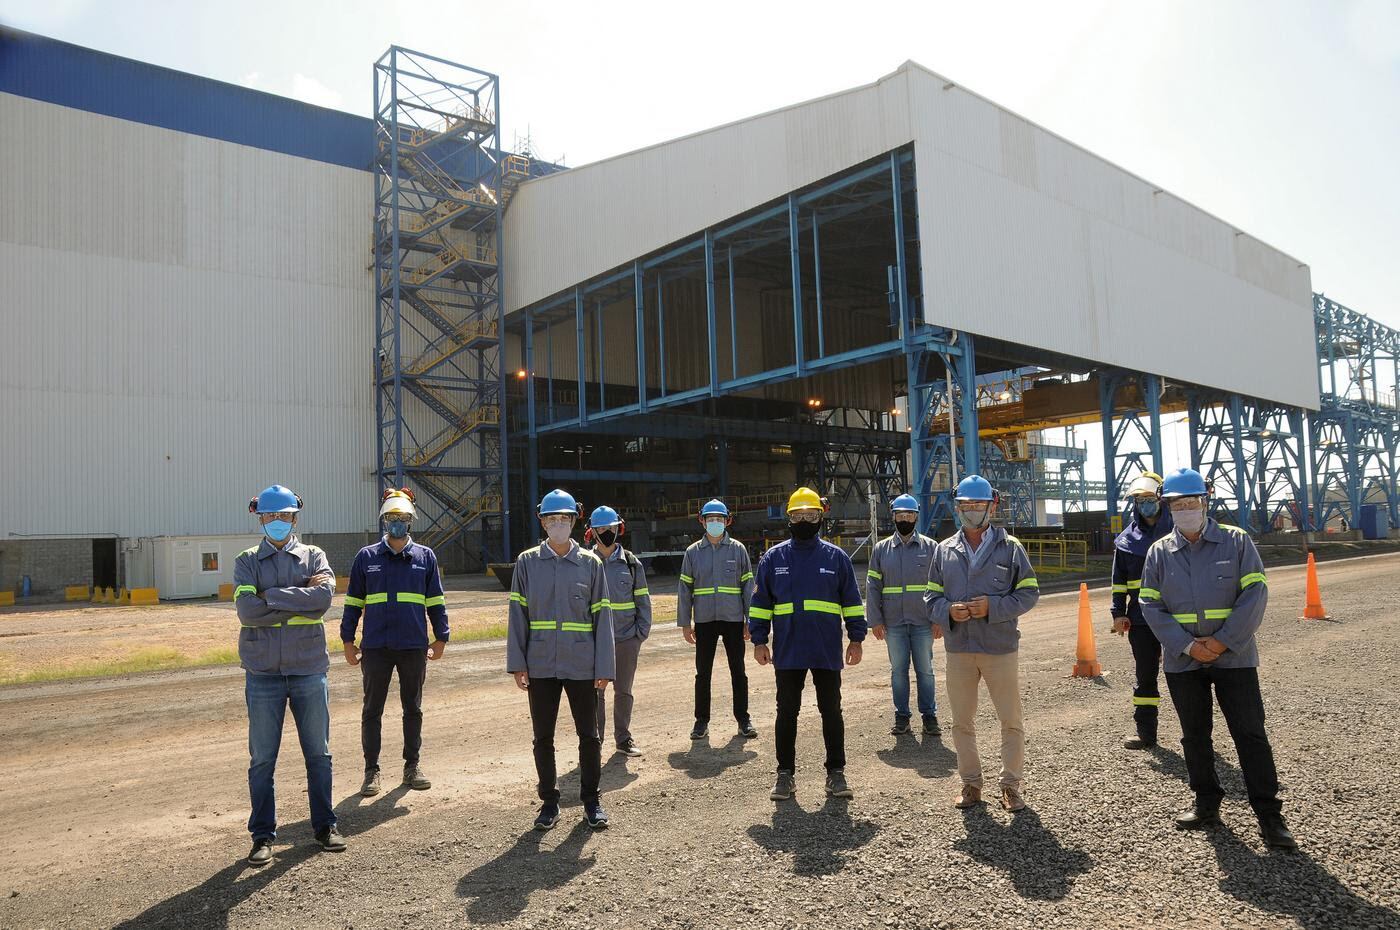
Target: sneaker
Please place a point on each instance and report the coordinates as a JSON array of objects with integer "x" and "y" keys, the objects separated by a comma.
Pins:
[
  {"x": 969, "y": 797},
  {"x": 371, "y": 785},
  {"x": 701, "y": 730},
  {"x": 901, "y": 726},
  {"x": 1011, "y": 799},
  {"x": 836, "y": 786},
  {"x": 261, "y": 854},
  {"x": 931, "y": 727},
  {"x": 414, "y": 778},
  {"x": 629, "y": 747},
  {"x": 595, "y": 815},
  {"x": 747, "y": 731},
  {"x": 330, "y": 840},
  {"x": 784, "y": 787},
  {"x": 548, "y": 816}
]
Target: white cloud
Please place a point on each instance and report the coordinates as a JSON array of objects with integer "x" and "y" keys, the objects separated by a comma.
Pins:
[
  {"x": 310, "y": 90},
  {"x": 1374, "y": 28}
]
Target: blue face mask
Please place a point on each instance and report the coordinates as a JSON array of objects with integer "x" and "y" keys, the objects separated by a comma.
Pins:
[
  {"x": 1149, "y": 508},
  {"x": 715, "y": 528},
  {"x": 397, "y": 529},
  {"x": 278, "y": 530}
]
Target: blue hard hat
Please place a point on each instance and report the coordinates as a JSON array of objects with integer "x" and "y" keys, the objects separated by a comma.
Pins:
[
  {"x": 974, "y": 488},
  {"x": 278, "y": 499},
  {"x": 715, "y": 506},
  {"x": 558, "y": 501},
  {"x": 603, "y": 516},
  {"x": 1184, "y": 482},
  {"x": 905, "y": 502}
]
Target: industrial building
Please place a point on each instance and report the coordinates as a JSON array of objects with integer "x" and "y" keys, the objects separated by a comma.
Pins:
[{"x": 210, "y": 289}]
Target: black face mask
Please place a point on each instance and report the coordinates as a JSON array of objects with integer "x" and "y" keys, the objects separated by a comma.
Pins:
[
  {"x": 905, "y": 527},
  {"x": 804, "y": 531},
  {"x": 607, "y": 537}
]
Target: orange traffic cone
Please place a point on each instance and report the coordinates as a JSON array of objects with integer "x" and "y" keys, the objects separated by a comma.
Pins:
[
  {"x": 1086, "y": 654},
  {"x": 1313, "y": 609}
]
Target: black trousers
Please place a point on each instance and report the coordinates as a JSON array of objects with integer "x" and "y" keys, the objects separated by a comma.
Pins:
[
  {"x": 545, "y": 694},
  {"x": 828, "y": 687},
  {"x": 377, "y": 667},
  {"x": 1147, "y": 656},
  {"x": 707, "y": 637},
  {"x": 1237, "y": 690}
]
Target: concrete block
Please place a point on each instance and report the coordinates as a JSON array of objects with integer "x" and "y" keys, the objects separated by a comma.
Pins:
[
  {"x": 7, "y": 598},
  {"x": 79, "y": 592},
  {"x": 145, "y": 596},
  {"x": 226, "y": 592}
]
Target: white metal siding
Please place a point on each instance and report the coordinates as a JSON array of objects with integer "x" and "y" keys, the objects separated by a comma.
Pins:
[{"x": 146, "y": 274}]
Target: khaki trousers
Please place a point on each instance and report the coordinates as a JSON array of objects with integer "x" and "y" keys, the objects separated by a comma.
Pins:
[{"x": 964, "y": 671}]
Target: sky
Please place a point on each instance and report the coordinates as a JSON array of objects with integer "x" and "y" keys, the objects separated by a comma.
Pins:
[{"x": 1281, "y": 117}]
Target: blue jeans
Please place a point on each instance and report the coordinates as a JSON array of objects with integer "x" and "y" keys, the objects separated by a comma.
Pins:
[
  {"x": 267, "y": 697},
  {"x": 911, "y": 642}
]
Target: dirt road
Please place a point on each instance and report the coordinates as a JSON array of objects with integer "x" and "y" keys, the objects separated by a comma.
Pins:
[{"x": 124, "y": 802}]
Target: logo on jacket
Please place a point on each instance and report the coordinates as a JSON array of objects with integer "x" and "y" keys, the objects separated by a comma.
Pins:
[
  {"x": 780, "y": 570},
  {"x": 825, "y": 571},
  {"x": 373, "y": 568}
]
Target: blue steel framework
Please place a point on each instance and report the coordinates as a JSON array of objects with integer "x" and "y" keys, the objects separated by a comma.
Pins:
[{"x": 440, "y": 185}]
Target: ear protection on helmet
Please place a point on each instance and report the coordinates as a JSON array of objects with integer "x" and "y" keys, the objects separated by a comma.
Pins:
[
  {"x": 390, "y": 492},
  {"x": 253, "y": 504},
  {"x": 589, "y": 535}
]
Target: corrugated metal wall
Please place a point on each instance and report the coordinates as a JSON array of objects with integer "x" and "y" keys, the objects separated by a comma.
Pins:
[{"x": 186, "y": 322}]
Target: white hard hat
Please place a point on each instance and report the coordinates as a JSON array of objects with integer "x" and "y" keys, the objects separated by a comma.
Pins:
[
  {"x": 397, "y": 503},
  {"x": 1146, "y": 483}
]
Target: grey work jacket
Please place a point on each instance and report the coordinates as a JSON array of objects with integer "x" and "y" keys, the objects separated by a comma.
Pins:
[
  {"x": 560, "y": 623},
  {"x": 897, "y": 579},
  {"x": 628, "y": 595},
  {"x": 282, "y": 631},
  {"x": 716, "y": 582},
  {"x": 1212, "y": 587},
  {"x": 1002, "y": 572}
]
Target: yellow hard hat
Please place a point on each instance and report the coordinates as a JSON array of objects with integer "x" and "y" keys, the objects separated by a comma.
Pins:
[{"x": 804, "y": 499}]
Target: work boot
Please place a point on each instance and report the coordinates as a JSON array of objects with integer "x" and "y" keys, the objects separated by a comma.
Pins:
[
  {"x": 931, "y": 727},
  {"x": 595, "y": 815},
  {"x": 901, "y": 725},
  {"x": 784, "y": 787},
  {"x": 629, "y": 747},
  {"x": 414, "y": 778},
  {"x": 701, "y": 730},
  {"x": 262, "y": 852},
  {"x": 1201, "y": 815},
  {"x": 746, "y": 729},
  {"x": 836, "y": 786},
  {"x": 548, "y": 816},
  {"x": 371, "y": 785},
  {"x": 330, "y": 840},
  {"x": 1276, "y": 833},
  {"x": 1139, "y": 742},
  {"x": 970, "y": 797},
  {"x": 1011, "y": 799}
]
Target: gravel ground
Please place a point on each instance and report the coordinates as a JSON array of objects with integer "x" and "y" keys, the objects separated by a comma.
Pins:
[{"x": 695, "y": 841}]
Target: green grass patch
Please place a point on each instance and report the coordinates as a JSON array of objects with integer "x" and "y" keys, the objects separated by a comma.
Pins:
[{"x": 155, "y": 659}]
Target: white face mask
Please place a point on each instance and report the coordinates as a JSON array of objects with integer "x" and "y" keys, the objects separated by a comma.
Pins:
[
  {"x": 1189, "y": 522},
  {"x": 559, "y": 535},
  {"x": 974, "y": 519},
  {"x": 715, "y": 528}
]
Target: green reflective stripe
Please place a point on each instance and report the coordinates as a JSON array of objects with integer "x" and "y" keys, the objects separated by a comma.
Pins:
[
  {"x": 354, "y": 601},
  {"x": 598, "y": 605},
  {"x": 377, "y": 598},
  {"x": 1134, "y": 585},
  {"x": 916, "y": 587},
  {"x": 436, "y": 600},
  {"x": 821, "y": 607},
  {"x": 1218, "y": 614},
  {"x": 1253, "y": 578},
  {"x": 747, "y": 576},
  {"x": 403, "y": 597},
  {"x": 687, "y": 579},
  {"x": 642, "y": 592},
  {"x": 1028, "y": 583},
  {"x": 760, "y": 613},
  {"x": 872, "y": 574},
  {"x": 568, "y": 627},
  {"x": 1150, "y": 594},
  {"x": 1120, "y": 589},
  {"x": 854, "y": 611},
  {"x": 242, "y": 590},
  {"x": 626, "y": 605},
  {"x": 1146, "y": 702},
  {"x": 519, "y": 599},
  {"x": 724, "y": 590},
  {"x": 1186, "y": 618},
  {"x": 781, "y": 609},
  {"x": 698, "y": 592},
  {"x": 935, "y": 587},
  {"x": 892, "y": 590},
  {"x": 542, "y": 624},
  {"x": 304, "y": 621},
  {"x": 249, "y": 626}
]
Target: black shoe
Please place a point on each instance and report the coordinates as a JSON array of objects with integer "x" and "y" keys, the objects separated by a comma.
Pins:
[
  {"x": 414, "y": 778},
  {"x": 701, "y": 730},
  {"x": 1139, "y": 742},
  {"x": 629, "y": 747},
  {"x": 261, "y": 854},
  {"x": 548, "y": 817},
  {"x": 836, "y": 786},
  {"x": 1275, "y": 832},
  {"x": 784, "y": 787},
  {"x": 330, "y": 840},
  {"x": 931, "y": 727},
  {"x": 1199, "y": 817},
  {"x": 747, "y": 731},
  {"x": 901, "y": 726},
  {"x": 595, "y": 815}
]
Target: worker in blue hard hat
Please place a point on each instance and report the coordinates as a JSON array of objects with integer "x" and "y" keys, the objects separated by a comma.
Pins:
[
  {"x": 630, "y": 601},
  {"x": 559, "y": 641},
  {"x": 1203, "y": 594},
  {"x": 716, "y": 585},
  {"x": 979, "y": 585},
  {"x": 282, "y": 589},
  {"x": 895, "y": 583},
  {"x": 1147, "y": 523}
]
